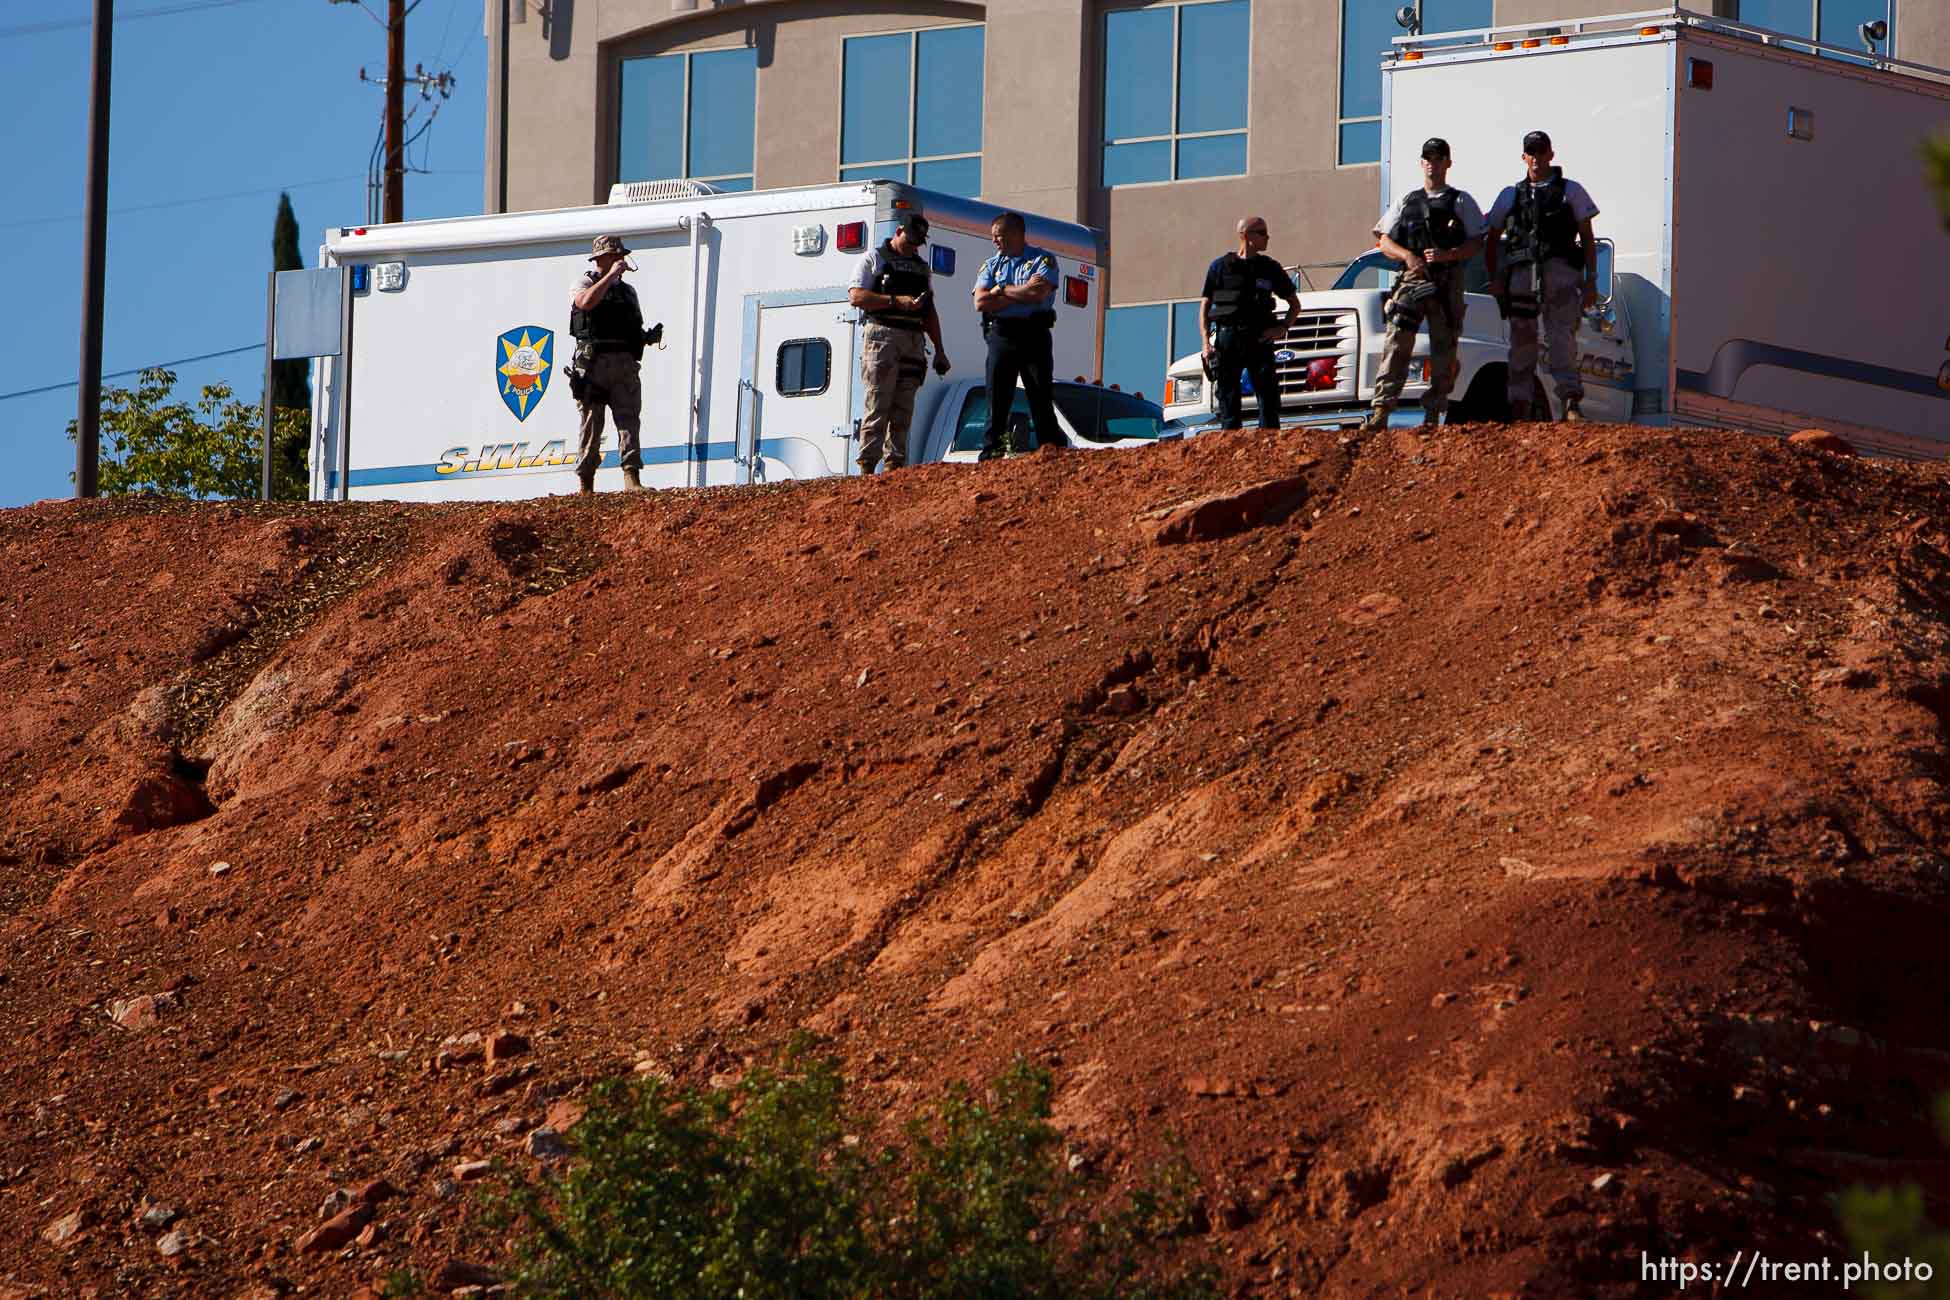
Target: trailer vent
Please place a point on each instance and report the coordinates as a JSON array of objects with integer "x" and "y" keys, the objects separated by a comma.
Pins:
[{"x": 651, "y": 191}]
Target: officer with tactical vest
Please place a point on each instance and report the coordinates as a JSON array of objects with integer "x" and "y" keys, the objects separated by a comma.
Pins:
[
  {"x": 1432, "y": 232},
  {"x": 1235, "y": 318},
  {"x": 893, "y": 286},
  {"x": 1545, "y": 267},
  {"x": 607, "y": 323}
]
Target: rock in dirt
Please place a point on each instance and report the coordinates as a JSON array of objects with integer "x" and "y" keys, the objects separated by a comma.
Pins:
[
  {"x": 1822, "y": 440},
  {"x": 1224, "y": 513},
  {"x": 376, "y": 1191},
  {"x": 144, "y": 1011},
  {"x": 457, "y": 1273},
  {"x": 172, "y": 1244},
  {"x": 546, "y": 1144},
  {"x": 337, "y": 1231},
  {"x": 505, "y": 1044},
  {"x": 157, "y": 1217},
  {"x": 65, "y": 1230},
  {"x": 470, "y": 1170}
]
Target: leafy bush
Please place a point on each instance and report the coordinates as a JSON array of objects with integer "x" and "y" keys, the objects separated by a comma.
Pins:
[
  {"x": 152, "y": 441},
  {"x": 764, "y": 1190},
  {"x": 1889, "y": 1225}
]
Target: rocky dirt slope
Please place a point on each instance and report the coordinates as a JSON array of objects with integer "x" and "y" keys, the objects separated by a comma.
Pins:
[{"x": 1492, "y": 856}]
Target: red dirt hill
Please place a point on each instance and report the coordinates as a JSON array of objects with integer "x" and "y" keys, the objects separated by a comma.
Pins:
[{"x": 1495, "y": 857}]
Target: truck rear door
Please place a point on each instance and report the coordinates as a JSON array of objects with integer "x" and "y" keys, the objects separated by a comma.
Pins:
[{"x": 797, "y": 386}]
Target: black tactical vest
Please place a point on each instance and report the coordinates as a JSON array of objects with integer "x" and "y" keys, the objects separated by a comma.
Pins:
[
  {"x": 1542, "y": 225},
  {"x": 1429, "y": 222},
  {"x": 1237, "y": 298},
  {"x": 617, "y": 319},
  {"x": 900, "y": 276}
]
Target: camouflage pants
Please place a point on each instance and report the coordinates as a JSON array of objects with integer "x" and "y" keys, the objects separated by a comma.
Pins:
[
  {"x": 1444, "y": 316},
  {"x": 1560, "y": 301},
  {"x": 893, "y": 362},
  {"x": 613, "y": 382}
]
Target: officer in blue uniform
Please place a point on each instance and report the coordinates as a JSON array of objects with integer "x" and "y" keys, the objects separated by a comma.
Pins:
[{"x": 1016, "y": 294}]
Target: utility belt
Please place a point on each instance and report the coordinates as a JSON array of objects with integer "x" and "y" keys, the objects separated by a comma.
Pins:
[
  {"x": 1228, "y": 335},
  {"x": 602, "y": 347},
  {"x": 905, "y": 324},
  {"x": 1018, "y": 327}
]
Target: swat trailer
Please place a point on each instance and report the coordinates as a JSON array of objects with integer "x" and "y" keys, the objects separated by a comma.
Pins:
[
  {"x": 1755, "y": 186},
  {"x": 448, "y": 384}
]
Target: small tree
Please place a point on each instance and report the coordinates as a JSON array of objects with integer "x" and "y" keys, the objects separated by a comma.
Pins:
[
  {"x": 1936, "y": 159},
  {"x": 1889, "y": 1226},
  {"x": 766, "y": 1191},
  {"x": 290, "y": 380},
  {"x": 152, "y": 442}
]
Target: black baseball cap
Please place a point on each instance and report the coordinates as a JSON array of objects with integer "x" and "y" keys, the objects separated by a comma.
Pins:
[
  {"x": 1537, "y": 142},
  {"x": 915, "y": 225},
  {"x": 1435, "y": 147}
]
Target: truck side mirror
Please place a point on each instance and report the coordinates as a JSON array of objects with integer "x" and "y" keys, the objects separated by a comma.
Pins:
[{"x": 1607, "y": 255}]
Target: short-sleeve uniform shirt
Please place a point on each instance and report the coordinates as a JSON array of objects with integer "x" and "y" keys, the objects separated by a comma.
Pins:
[
  {"x": 1003, "y": 271},
  {"x": 1466, "y": 210},
  {"x": 1582, "y": 208},
  {"x": 871, "y": 264}
]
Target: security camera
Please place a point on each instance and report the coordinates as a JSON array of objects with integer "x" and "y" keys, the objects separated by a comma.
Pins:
[
  {"x": 1874, "y": 32},
  {"x": 1409, "y": 18}
]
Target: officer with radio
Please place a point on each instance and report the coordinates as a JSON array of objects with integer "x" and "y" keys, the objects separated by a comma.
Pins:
[
  {"x": 893, "y": 286},
  {"x": 1544, "y": 268},
  {"x": 1433, "y": 232},
  {"x": 607, "y": 323},
  {"x": 1235, "y": 318}
]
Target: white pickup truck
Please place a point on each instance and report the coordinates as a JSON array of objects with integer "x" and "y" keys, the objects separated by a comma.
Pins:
[
  {"x": 1331, "y": 356},
  {"x": 1092, "y": 416},
  {"x": 1729, "y": 164}
]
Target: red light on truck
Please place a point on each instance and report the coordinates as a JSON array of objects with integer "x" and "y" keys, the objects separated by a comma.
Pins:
[
  {"x": 1076, "y": 291},
  {"x": 1323, "y": 373},
  {"x": 850, "y": 237},
  {"x": 1699, "y": 74}
]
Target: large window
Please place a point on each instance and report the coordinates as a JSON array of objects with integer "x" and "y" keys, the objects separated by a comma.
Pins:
[
  {"x": 1141, "y": 342},
  {"x": 911, "y": 109},
  {"x": 1833, "y": 22},
  {"x": 1368, "y": 29},
  {"x": 688, "y": 116},
  {"x": 1175, "y": 92}
]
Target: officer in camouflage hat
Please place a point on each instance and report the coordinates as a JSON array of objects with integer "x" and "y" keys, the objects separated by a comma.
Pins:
[
  {"x": 893, "y": 286},
  {"x": 607, "y": 322}
]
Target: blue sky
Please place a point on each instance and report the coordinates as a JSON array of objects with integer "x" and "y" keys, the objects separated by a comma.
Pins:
[{"x": 217, "y": 105}]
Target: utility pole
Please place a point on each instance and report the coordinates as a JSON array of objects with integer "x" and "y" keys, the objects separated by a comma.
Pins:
[
  {"x": 395, "y": 110},
  {"x": 88, "y": 412}
]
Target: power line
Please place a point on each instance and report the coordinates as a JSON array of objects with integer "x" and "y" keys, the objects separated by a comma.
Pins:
[
  {"x": 120, "y": 374},
  {"x": 219, "y": 198},
  {"x": 186, "y": 202},
  {"x": 163, "y": 11}
]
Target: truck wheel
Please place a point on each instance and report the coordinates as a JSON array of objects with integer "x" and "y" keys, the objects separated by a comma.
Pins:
[{"x": 1486, "y": 402}]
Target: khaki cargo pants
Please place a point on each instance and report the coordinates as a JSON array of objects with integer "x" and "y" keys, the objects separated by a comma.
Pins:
[
  {"x": 1560, "y": 302},
  {"x": 1444, "y": 316},
  {"x": 893, "y": 362},
  {"x": 613, "y": 382}
]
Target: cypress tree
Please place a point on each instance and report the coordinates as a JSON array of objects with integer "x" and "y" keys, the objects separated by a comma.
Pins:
[{"x": 292, "y": 378}]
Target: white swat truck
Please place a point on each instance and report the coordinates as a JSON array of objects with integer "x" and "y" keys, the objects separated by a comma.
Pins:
[
  {"x": 455, "y": 334},
  {"x": 1752, "y": 187}
]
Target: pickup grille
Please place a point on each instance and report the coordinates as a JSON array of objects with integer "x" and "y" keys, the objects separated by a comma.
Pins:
[{"x": 1315, "y": 334}]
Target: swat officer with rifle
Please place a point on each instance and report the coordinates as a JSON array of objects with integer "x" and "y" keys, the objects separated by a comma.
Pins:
[{"x": 1543, "y": 270}]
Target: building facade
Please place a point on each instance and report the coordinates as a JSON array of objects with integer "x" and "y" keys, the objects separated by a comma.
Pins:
[{"x": 1163, "y": 121}]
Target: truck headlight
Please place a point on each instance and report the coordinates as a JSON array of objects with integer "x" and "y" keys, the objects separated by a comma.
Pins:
[{"x": 1185, "y": 390}]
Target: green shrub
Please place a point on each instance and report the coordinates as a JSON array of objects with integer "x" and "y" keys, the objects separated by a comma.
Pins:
[{"x": 764, "y": 1191}]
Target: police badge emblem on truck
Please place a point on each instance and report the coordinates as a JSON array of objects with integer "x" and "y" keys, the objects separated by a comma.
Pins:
[{"x": 523, "y": 361}]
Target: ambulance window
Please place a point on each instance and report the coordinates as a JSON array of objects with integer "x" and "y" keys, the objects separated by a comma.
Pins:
[{"x": 805, "y": 367}]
